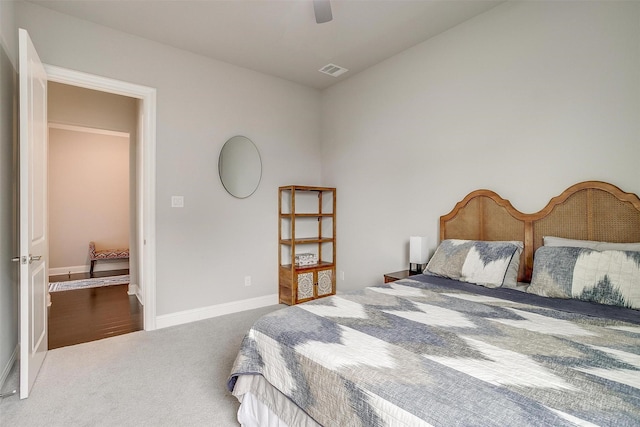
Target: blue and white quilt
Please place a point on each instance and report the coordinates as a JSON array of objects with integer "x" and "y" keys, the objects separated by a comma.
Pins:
[{"x": 429, "y": 351}]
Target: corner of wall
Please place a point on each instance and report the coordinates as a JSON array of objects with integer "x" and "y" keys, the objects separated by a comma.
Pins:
[
  {"x": 4, "y": 374},
  {"x": 8, "y": 31}
]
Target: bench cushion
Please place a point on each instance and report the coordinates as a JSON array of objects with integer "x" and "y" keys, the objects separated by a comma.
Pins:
[{"x": 106, "y": 253}]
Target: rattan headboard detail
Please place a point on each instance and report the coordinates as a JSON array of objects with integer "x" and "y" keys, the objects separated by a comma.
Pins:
[{"x": 590, "y": 210}]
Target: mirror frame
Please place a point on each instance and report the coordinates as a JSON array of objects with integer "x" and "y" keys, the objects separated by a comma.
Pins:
[{"x": 235, "y": 166}]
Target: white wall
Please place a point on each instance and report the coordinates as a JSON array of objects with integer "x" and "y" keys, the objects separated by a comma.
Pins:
[
  {"x": 88, "y": 196},
  {"x": 205, "y": 249},
  {"x": 8, "y": 241},
  {"x": 526, "y": 99}
]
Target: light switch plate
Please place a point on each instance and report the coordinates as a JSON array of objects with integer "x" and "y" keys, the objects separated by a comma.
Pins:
[{"x": 177, "y": 201}]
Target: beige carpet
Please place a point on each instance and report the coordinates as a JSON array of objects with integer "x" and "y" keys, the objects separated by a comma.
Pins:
[{"x": 169, "y": 377}]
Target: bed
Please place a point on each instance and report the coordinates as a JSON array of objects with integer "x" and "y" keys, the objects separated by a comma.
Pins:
[{"x": 500, "y": 330}]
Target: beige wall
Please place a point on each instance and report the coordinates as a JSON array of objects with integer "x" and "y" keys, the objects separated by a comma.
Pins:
[
  {"x": 88, "y": 195},
  {"x": 77, "y": 106},
  {"x": 90, "y": 108}
]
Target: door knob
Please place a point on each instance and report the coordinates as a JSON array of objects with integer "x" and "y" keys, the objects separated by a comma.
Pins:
[
  {"x": 34, "y": 258},
  {"x": 15, "y": 259}
]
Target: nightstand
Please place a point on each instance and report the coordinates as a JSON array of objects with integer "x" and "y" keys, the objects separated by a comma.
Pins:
[{"x": 397, "y": 275}]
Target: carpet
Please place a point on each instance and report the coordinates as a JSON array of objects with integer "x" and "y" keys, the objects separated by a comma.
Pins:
[
  {"x": 95, "y": 282},
  {"x": 169, "y": 377}
]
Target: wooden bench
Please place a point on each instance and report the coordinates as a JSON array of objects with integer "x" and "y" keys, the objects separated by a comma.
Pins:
[{"x": 105, "y": 254}]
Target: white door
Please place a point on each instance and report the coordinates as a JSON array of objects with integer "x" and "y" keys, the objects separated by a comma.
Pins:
[{"x": 33, "y": 205}]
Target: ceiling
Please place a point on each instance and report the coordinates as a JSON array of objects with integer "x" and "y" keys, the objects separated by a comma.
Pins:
[{"x": 281, "y": 37}]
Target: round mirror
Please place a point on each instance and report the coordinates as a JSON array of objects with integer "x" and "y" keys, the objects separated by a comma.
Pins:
[{"x": 240, "y": 167}]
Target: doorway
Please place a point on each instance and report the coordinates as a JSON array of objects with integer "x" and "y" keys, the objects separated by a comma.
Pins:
[
  {"x": 142, "y": 249},
  {"x": 91, "y": 192},
  {"x": 33, "y": 80}
]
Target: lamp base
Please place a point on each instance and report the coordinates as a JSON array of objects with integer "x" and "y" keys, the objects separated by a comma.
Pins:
[{"x": 416, "y": 268}]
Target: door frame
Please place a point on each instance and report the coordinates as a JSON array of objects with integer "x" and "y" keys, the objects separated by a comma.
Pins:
[{"x": 145, "y": 173}]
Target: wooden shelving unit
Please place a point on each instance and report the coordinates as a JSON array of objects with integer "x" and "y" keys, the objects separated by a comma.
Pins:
[{"x": 306, "y": 224}]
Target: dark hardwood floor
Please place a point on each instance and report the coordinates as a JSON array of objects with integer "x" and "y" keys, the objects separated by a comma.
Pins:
[{"x": 84, "y": 315}]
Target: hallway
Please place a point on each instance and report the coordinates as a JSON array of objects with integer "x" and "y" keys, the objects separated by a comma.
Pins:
[{"x": 84, "y": 315}]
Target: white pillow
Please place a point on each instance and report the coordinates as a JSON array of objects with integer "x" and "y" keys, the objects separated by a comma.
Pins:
[{"x": 589, "y": 244}]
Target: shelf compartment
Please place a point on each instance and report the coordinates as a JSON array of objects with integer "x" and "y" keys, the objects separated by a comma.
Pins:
[
  {"x": 306, "y": 215},
  {"x": 307, "y": 240},
  {"x": 321, "y": 265}
]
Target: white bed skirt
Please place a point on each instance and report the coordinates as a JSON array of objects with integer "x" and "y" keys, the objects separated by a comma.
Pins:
[
  {"x": 262, "y": 405},
  {"x": 254, "y": 413}
]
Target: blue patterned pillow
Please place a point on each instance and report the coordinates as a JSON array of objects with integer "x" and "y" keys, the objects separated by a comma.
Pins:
[
  {"x": 605, "y": 277},
  {"x": 473, "y": 261}
]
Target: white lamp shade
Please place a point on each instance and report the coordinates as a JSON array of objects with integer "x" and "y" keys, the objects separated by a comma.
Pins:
[{"x": 418, "y": 250}]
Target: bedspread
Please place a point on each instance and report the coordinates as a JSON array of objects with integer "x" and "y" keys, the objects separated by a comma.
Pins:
[{"x": 427, "y": 352}]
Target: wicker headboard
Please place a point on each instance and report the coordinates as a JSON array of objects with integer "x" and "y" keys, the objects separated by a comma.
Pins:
[{"x": 590, "y": 210}]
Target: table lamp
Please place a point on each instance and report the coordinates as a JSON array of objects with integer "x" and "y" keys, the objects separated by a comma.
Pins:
[{"x": 418, "y": 254}]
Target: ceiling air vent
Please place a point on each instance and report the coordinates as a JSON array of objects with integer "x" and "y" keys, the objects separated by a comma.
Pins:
[{"x": 333, "y": 70}]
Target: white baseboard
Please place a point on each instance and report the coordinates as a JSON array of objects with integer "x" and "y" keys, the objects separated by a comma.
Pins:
[
  {"x": 8, "y": 367},
  {"x": 134, "y": 289},
  {"x": 68, "y": 270},
  {"x": 188, "y": 316},
  {"x": 100, "y": 266}
]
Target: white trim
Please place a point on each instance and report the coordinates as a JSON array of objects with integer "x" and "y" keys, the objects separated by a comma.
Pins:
[
  {"x": 58, "y": 271},
  {"x": 134, "y": 289},
  {"x": 188, "y": 316},
  {"x": 99, "y": 83},
  {"x": 85, "y": 129},
  {"x": 146, "y": 203},
  {"x": 7, "y": 369},
  {"x": 104, "y": 265}
]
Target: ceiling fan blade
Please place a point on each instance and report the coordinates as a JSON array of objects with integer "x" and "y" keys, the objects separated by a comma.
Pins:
[{"x": 322, "y": 8}]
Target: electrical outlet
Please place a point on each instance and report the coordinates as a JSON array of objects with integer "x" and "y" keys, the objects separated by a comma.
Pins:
[
  {"x": 247, "y": 280},
  {"x": 342, "y": 275}
]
